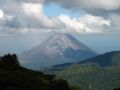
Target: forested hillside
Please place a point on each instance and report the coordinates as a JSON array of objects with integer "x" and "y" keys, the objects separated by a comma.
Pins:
[
  {"x": 98, "y": 73},
  {"x": 15, "y": 77}
]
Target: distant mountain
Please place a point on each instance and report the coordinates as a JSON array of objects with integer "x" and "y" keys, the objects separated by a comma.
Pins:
[
  {"x": 107, "y": 59},
  {"x": 101, "y": 72},
  {"x": 57, "y": 49}
]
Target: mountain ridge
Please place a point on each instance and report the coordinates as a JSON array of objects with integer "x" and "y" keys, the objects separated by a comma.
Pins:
[
  {"x": 102, "y": 76},
  {"x": 103, "y": 59}
]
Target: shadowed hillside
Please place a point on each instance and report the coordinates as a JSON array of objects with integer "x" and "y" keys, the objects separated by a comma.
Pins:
[{"x": 15, "y": 77}]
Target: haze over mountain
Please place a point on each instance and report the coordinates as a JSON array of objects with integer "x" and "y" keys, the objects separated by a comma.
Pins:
[{"x": 57, "y": 49}]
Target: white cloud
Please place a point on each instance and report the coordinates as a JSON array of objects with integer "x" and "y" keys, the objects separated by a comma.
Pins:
[
  {"x": 30, "y": 19},
  {"x": 84, "y": 24},
  {"x": 28, "y": 16},
  {"x": 1, "y": 14},
  {"x": 72, "y": 24},
  {"x": 33, "y": 9},
  {"x": 36, "y": 11},
  {"x": 33, "y": 19},
  {"x": 90, "y": 19}
]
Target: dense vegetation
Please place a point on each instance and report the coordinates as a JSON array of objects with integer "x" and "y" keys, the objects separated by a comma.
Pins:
[
  {"x": 99, "y": 73},
  {"x": 15, "y": 77}
]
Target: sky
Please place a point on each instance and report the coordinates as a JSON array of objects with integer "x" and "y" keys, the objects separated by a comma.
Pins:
[{"x": 27, "y": 23}]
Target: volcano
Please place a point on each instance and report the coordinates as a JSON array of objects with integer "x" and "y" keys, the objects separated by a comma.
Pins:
[{"x": 57, "y": 49}]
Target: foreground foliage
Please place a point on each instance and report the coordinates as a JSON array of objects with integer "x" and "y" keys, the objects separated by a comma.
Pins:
[{"x": 15, "y": 77}]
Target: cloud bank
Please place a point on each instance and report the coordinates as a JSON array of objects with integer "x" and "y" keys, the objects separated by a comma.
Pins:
[{"x": 23, "y": 16}]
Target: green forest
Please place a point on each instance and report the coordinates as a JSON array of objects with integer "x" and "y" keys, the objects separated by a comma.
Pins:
[{"x": 98, "y": 73}]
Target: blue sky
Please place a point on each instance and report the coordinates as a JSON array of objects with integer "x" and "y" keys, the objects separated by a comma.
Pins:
[
  {"x": 52, "y": 10},
  {"x": 55, "y": 10},
  {"x": 95, "y": 23}
]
